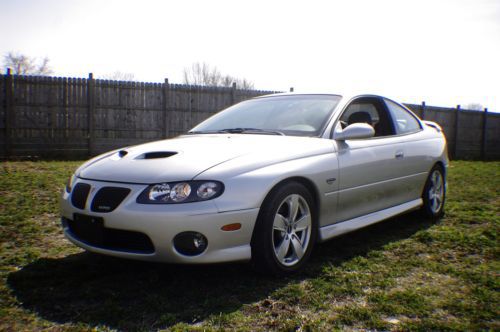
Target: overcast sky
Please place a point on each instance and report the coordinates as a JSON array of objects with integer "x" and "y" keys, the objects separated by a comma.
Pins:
[{"x": 444, "y": 52}]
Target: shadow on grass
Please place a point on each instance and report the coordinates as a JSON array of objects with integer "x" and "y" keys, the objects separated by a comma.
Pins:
[{"x": 131, "y": 295}]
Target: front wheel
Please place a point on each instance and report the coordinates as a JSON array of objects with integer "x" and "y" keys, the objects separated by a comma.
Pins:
[
  {"x": 434, "y": 193},
  {"x": 285, "y": 231}
]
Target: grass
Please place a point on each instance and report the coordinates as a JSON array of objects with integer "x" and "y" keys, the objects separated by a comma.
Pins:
[{"x": 402, "y": 274}]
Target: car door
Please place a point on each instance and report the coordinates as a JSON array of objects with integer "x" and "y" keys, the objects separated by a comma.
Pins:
[
  {"x": 370, "y": 170},
  {"x": 415, "y": 163}
]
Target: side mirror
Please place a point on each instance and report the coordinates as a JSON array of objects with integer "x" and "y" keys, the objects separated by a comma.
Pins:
[{"x": 354, "y": 131}]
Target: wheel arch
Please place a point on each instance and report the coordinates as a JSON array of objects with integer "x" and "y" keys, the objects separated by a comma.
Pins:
[
  {"x": 440, "y": 164},
  {"x": 308, "y": 184},
  {"x": 426, "y": 209}
]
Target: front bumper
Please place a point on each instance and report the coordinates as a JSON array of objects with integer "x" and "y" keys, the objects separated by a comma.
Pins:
[{"x": 161, "y": 223}]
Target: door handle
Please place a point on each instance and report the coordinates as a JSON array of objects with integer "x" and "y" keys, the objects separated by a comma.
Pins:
[{"x": 399, "y": 154}]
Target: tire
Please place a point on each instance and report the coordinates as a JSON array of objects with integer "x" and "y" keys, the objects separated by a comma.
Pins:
[
  {"x": 283, "y": 240},
  {"x": 434, "y": 194}
]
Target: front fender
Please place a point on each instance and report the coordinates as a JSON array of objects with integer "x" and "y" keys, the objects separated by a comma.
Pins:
[{"x": 248, "y": 190}]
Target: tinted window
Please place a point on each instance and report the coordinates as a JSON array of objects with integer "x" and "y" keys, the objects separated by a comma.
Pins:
[
  {"x": 371, "y": 111},
  {"x": 404, "y": 122},
  {"x": 302, "y": 115},
  {"x": 367, "y": 110}
]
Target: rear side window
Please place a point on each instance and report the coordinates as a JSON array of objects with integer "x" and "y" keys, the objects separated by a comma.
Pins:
[{"x": 404, "y": 122}]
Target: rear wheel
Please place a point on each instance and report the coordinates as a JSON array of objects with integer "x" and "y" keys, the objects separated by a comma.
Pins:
[
  {"x": 285, "y": 231},
  {"x": 434, "y": 193}
]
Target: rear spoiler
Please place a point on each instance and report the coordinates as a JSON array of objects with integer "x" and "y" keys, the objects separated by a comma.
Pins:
[{"x": 433, "y": 125}]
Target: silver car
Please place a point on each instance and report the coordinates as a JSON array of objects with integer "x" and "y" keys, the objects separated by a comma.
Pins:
[{"x": 262, "y": 181}]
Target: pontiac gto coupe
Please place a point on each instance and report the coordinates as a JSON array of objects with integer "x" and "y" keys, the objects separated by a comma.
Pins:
[{"x": 263, "y": 180}]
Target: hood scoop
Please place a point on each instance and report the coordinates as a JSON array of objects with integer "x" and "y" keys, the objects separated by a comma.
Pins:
[{"x": 156, "y": 155}]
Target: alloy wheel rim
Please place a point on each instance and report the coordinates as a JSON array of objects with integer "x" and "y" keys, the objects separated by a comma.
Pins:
[
  {"x": 436, "y": 192},
  {"x": 291, "y": 230}
]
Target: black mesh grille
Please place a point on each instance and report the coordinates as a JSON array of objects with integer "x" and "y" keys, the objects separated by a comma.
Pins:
[
  {"x": 79, "y": 195},
  {"x": 91, "y": 230},
  {"x": 108, "y": 198}
]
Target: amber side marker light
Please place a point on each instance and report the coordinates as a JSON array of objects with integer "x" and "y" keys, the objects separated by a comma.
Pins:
[{"x": 231, "y": 227}]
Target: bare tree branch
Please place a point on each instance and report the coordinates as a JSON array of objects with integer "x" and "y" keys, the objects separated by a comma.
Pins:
[
  {"x": 21, "y": 64},
  {"x": 119, "y": 76},
  {"x": 204, "y": 74},
  {"x": 474, "y": 107}
]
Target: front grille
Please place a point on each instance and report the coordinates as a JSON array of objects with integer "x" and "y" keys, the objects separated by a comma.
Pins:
[
  {"x": 91, "y": 231},
  {"x": 79, "y": 195},
  {"x": 108, "y": 198}
]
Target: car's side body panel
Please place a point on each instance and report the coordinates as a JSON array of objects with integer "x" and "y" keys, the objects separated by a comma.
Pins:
[
  {"x": 381, "y": 176},
  {"x": 370, "y": 176}
]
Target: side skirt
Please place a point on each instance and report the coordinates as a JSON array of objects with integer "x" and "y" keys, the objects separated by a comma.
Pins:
[{"x": 329, "y": 231}]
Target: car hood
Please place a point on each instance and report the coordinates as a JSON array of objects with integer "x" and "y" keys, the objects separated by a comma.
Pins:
[{"x": 185, "y": 157}]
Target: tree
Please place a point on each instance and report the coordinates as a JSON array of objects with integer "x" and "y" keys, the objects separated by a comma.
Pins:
[
  {"x": 474, "y": 107},
  {"x": 21, "y": 64},
  {"x": 119, "y": 76},
  {"x": 204, "y": 74}
]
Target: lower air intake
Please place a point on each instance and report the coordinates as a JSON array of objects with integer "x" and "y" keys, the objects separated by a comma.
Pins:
[{"x": 91, "y": 231}]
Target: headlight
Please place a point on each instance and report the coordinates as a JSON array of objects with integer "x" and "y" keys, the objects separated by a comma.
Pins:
[
  {"x": 70, "y": 183},
  {"x": 159, "y": 192},
  {"x": 180, "y": 192},
  {"x": 207, "y": 190}
]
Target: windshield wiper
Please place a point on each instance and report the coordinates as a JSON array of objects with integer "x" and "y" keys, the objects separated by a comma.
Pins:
[
  {"x": 250, "y": 131},
  {"x": 202, "y": 132}
]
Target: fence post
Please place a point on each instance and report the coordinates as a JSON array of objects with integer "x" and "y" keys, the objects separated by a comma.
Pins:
[
  {"x": 233, "y": 93},
  {"x": 483, "y": 140},
  {"x": 9, "y": 113},
  {"x": 90, "y": 115},
  {"x": 455, "y": 147},
  {"x": 165, "y": 109},
  {"x": 423, "y": 110}
]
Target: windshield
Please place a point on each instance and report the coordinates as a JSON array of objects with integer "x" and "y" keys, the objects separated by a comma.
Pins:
[{"x": 302, "y": 115}]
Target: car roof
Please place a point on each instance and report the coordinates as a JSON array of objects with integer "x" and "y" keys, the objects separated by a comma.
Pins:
[{"x": 345, "y": 95}]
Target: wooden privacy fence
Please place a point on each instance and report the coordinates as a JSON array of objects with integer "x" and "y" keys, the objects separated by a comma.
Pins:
[
  {"x": 59, "y": 117},
  {"x": 76, "y": 118},
  {"x": 470, "y": 134}
]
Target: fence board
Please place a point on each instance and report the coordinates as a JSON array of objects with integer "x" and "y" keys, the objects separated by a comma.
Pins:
[
  {"x": 3, "y": 105},
  {"x": 492, "y": 150}
]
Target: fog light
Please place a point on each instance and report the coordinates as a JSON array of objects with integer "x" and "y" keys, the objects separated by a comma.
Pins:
[{"x": 190, "y": 243}]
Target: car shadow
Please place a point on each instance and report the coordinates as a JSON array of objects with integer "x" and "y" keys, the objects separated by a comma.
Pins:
[{"x": 131, "y": 295}]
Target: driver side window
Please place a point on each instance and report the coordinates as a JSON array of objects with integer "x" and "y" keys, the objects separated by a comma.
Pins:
[{"x": 371, "y": 111}]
